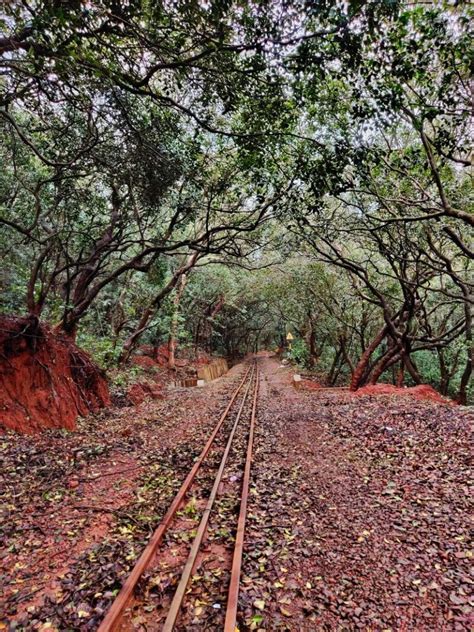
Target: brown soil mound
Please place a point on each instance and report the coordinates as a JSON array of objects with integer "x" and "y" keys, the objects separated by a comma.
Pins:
[
  {"x": 147, "y": 356},
  {"x": 46, "y": 381},
  {"x": 144, "y": 361},
  {"x": 420, "y": 392},
  {"x": 140, "y": 391},
  {"x": 159, "y": 355}
]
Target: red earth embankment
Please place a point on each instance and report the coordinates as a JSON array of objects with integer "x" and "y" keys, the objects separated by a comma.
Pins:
[
  {"x": 138, "y": 392},
  {"x": 46, "y": 381},
  {"x": 148, "y": 356},
  {"x": 420, "y": 392},
  {"x": 153, "y": 362}
]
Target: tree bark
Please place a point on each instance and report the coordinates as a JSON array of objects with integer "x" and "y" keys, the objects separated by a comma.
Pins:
[
  {"x": 172, "y": 340},
  {"x": 332, "y": 370},
  {"x": 345, "y": 353},
  {"x": 365, "y": 358},
  {"x": 383, "y": 364},
  {"x": 400, "y": 375},
  {"x": 444, "y": 373},
  {"x": 313, "y": 351},
  {"x": 466, "y": 376},
  {"x": 411, "y": 368},
  {"x": 131, "y": 343}
]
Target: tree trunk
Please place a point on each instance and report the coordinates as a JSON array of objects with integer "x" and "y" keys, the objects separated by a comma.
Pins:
[
  {"x": 332, "y": 370},
  {"x": 345, "y": 353},
  {"x": 68, "y": 330},
  {"x": 131, "y": 343},
  {"x": 383, "y": 364},
  {"x": 412, "y": 368},
  {"x": 311, "y": 342},
  {"x": 444, "y": 373},
  {"x": 365, "y": 359},
  {"x": 400, "y": 375},
  {"x": 175, "y": 322},
  {"x": 462, "y": 395}
]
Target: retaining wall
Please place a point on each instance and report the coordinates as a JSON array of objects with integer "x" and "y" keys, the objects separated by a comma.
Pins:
[{"x": 210, "y": 371}]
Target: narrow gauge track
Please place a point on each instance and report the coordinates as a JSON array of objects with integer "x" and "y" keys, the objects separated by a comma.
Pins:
[{"x": 209, "y": 511}]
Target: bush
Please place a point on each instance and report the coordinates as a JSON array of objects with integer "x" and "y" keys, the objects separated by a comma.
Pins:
[
  {"x": 102, "y": 350},
  {"x": 299, "y": 353}
]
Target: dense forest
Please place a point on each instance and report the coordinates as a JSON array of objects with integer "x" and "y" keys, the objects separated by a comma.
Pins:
[
  {"x": 213, "y": 175},
  {"x": 236, "y": 315}
]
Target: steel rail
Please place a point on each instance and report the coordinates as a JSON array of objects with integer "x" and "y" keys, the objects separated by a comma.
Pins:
[
  {"x": 178, "y": 598},
  {"x": 114, "y": 614},
  {"x": 233, "y": 594}
]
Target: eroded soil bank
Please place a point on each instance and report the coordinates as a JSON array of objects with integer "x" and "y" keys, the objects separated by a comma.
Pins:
[
  {"x": 46, "y": 380},
  {"x": 358, "y": 514}
]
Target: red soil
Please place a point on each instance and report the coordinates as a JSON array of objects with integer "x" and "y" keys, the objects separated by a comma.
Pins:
[
  {"x": 144, "y": 361},
  {"x": 146, "y": 350},
  {"x": 310, "y": 385},
  {"x": 154, "y": 362},
  {"x": 46, "y": 381},
  {"x": 149, "y": 356},
  {"x": 162, "y": 355},
  {"x": 421, "y": 392},
  {"x": 138, "y": 392},
  {"x": 158, "y": 355}
]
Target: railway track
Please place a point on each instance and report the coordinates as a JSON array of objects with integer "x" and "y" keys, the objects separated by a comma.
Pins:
[{"x": 188, "y": 575}]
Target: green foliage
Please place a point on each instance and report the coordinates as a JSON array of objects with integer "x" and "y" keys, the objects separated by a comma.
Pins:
[
  {"x": 428, "y": 364},
  {"x": 102, "y": 349},
  {"x": 298, "y": 353},
  {"x": 322, "y": 179},
  {"x": 125, "y": 377}
]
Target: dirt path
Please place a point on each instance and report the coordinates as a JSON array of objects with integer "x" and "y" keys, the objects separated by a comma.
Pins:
[{"x": 358, "y": 512}]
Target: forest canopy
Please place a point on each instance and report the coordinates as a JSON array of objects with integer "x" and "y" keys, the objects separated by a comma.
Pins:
[{"x": 224, "y": 172}]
